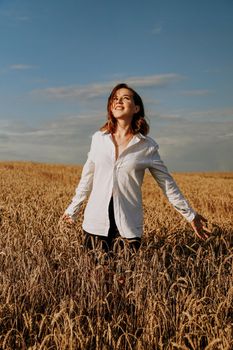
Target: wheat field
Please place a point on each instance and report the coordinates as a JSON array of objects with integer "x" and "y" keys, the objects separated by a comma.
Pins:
[{"x": 176, "y": 292}]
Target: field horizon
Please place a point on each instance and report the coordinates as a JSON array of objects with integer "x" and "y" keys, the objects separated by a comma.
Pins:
[{"x": 175, "y": 293}]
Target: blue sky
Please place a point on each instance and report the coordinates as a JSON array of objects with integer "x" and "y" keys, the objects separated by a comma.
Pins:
[{"x": 59, "y": 61}]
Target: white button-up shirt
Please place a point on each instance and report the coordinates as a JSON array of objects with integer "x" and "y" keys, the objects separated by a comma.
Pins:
[{"x": 104, "y": 176}]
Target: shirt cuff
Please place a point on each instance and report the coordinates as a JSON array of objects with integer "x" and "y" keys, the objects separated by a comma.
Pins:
[{"x": 190, "y": 217}]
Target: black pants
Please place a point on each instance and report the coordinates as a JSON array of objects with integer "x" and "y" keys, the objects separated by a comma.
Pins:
[{"x": 108, "y": 243}]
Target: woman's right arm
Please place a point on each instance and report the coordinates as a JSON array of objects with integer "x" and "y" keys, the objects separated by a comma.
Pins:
[{"x": 83, "y": 189}]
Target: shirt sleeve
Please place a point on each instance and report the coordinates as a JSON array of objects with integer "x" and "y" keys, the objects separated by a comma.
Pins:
[
  {"x": 84, "y": 186},
  {"x": 169, "y": 187}
]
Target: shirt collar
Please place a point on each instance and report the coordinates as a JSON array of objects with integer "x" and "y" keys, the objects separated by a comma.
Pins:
[{"x": 138, "y": 135}]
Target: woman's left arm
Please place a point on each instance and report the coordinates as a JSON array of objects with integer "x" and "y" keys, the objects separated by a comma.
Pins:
[{"x": 172, "y": 192}]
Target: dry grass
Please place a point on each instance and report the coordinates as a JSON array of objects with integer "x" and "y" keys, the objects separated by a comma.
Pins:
[{"x": 176, "y": 293}]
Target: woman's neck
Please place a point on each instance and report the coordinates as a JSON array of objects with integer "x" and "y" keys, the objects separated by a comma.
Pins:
[{"x": 123, "y": 129}]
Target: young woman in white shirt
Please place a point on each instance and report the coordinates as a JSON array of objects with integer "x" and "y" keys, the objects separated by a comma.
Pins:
[{"x": 113, "y": 173}]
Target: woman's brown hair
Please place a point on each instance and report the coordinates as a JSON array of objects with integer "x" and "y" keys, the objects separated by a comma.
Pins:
[{"x": 139, "y": 123}]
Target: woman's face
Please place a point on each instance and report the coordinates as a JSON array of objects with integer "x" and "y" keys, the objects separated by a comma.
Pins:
[{"x": 123, "y": 106}]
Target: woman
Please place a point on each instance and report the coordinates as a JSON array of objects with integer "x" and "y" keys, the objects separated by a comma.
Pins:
[{"x": 113, "y": 173}]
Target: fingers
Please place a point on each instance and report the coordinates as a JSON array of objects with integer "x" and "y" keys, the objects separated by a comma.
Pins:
[
  {"x": 200, "y": 233},
  {"x": 205, "y": 233},
  {"x": 200, "y": 228},
  {"x": 204, "y": 227},
  {"x": 67, "y": 219}
]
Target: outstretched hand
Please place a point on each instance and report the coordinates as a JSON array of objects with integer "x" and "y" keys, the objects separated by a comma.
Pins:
[
  {"x": 199, "y": 226},
  {"x": 67, "y": 219}
]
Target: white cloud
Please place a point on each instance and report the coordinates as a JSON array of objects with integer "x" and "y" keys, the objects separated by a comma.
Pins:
[
  {"x": 66, "y": 140},
  {"x": 197, "y": 92},
  {"x": 20, "y": 66},
  {"x": 212, "y": 70},
  {"x": 226, "y": 136},
  {"x": 159, "y": 80},
  {"x": 184, "y": 145},
  {"x": 213, "y": 114},
  {"x": 157, "y": 30},
  {"x": 14, "y": 15},
  {"x": 23, "y": 18},
  {"x": 196, "y": 146},
  {"x": 100, "y": 89},
  {"x": 198, "y": 116}
]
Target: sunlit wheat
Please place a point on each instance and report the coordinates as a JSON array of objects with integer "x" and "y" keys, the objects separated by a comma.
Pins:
[{"x": 175, "y": 293}]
